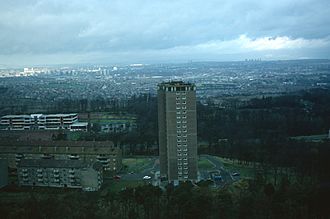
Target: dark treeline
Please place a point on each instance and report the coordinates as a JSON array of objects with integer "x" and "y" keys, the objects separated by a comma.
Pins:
[
  {"x": 304, "y": 113},
  {"x": 255, "y": 199}
]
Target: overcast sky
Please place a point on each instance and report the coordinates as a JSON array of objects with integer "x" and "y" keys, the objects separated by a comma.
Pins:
[{"x": 37, "y": 32}]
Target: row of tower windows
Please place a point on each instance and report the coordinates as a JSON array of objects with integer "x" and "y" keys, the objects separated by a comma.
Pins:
[
  {"x": 181, "y": 140},
  {"x": 181, "y": 98},
  {"x": 183, "y": 135},
  {"x": 181, "y": 93}
]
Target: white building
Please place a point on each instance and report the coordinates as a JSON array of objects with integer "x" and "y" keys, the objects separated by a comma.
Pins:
[{"x": 41, "y": 121}]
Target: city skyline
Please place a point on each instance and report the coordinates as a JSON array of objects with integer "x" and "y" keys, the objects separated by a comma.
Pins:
[{"x": 51, "y": 32}]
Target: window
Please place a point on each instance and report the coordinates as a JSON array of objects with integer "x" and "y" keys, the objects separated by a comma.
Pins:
[
  {"x": 178, "y": 121},
  {"x": 184, "y": 126},
  {"x": 179, "y": 145},
  {"x": 184, "y": 130},
  {"x": 184, "y": 135},
  {"x": 184, "y": 145},
  {"x": 178, "y": 117},
  {"x": 184, "y": 102},
  {"x": 178, "y": 107},
  {"x": 178, "y": 135},
  {"x": 178, "y": 98},
  {"x": 178, "y": 131},
  {"x": 178, "y": 112},
  {"x": 178, "y": 126},
  {"x": 177, "y": 93},
  {"x": 184, "y": 121},
  {"x": 183, "y": 97},
  {"x": 184, "y": 117},
  {"x": 184, "y": 140},
  {"x": 184, "y": 112},
  {"x": 178, "y": 140}
]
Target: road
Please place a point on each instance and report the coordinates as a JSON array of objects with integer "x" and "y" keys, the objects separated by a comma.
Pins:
[
  {"x": 148, "y": 170},
  {"x": 218, "y": 167},
  {"x": 153, "y": 166}
]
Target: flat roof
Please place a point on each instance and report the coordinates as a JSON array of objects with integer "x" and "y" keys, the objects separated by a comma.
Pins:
[
  {"x": 176, "y": 83},
  {"x": 14, "y": 116},
  {"x": 39, "y": 115},
  {"x": 50, "y": 163}
]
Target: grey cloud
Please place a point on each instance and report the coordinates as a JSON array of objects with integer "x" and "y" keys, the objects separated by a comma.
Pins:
[{"x": 49, "y": 27}]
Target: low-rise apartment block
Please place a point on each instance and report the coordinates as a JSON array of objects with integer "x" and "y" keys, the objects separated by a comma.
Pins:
[
  {"x": 60, "y": 173},
  {"x": 89, "y": 151}
]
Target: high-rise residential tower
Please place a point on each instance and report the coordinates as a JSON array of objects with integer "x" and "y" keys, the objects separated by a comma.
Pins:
[{"x": 177, "y": 130}]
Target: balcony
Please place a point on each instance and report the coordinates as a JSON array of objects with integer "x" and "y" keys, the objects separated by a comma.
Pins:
[
  {"x": 73, "y": 157},
  {"x": 104, "y": 161},
  {"x": 47, "y": 156},
  {"x": 19, "y": 156},
  {"x": 101, "y": 156}
]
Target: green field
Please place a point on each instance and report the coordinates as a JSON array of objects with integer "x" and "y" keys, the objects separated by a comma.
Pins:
[
  {"x": 244, "y": 170},
  {"x": 136, "y": 165},
  {"x": 204, "y": 164}
]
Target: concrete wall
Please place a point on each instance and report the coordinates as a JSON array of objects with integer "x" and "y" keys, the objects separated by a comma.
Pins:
[{"x": 3, "y": 173}]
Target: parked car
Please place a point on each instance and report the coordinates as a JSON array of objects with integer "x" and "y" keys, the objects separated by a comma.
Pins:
[
  {"x": 235, "y": 174},
  {"x": 147, "y": 177}
]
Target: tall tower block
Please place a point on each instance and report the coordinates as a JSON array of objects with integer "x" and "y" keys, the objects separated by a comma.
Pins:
[{"x": 177, "y": 124}]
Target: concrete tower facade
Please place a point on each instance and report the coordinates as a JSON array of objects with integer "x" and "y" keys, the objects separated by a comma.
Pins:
[{"x": 177, "y": 124}]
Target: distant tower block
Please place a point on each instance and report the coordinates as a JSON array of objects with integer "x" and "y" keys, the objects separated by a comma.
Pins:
[{"x": 177, "y": 130}]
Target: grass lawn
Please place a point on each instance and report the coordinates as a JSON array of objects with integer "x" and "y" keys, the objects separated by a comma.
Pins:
[
  {"x": 245, "y": 171},
  {"x": 136, "y": 165},
  {"x": 204, "y": 164}
]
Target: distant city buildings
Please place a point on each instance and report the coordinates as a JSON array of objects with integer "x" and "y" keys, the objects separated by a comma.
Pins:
[
  {"x": 43, "y": 122},
  {"x": 177, "y": 131},
  {"x": 60, "y": 173}
]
